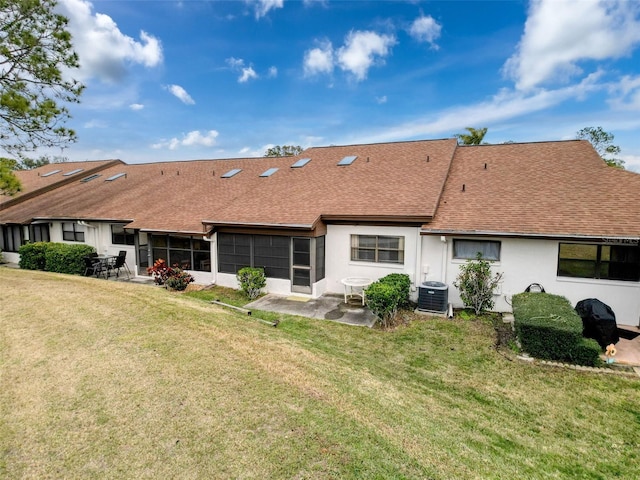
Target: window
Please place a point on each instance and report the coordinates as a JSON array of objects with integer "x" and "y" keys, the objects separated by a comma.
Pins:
[
  {"x": 469, "y": 249},
  {"x": 39, "y": 232},
  {"x": 121, "y": 235},
  {"x": 270, "y": 252},
  {"x": 320, "y": 258},
  {"x": 12, "y": 237},
  {"x": 188, "y": 253},
  {"x": 378, "y": 249},
  {"x": 72, "y": 232},
  {"x": 609, "y": 262}
]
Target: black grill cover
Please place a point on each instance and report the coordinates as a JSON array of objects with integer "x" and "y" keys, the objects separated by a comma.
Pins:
[{"x": 598, "y": 321}]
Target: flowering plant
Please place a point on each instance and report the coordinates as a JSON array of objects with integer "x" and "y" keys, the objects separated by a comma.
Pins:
[{"x": 173, "y": 277}]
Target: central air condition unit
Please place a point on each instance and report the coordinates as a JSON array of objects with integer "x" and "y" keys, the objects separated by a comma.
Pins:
[{"x": 433, "y": 297}]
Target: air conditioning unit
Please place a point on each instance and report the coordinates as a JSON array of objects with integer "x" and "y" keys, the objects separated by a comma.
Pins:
[{"x": 433, "y": 297}]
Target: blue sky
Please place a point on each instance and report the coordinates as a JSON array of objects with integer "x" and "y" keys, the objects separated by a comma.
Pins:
[{"x": 191, "y": 79}]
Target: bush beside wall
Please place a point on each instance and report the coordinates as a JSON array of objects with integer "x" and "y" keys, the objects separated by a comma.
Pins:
[
  {"x": 549, "y": 328},
  {"x": 32, "y": 256},
  {"x": 54, "y": 257},
  {"x": 387, "y": 295}
]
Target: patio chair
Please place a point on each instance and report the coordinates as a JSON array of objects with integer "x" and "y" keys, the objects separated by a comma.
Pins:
[
  {"x": 123, "y": 253},
  {"x": 120, "y": 263},
  {"x": 92, "y": 266}
]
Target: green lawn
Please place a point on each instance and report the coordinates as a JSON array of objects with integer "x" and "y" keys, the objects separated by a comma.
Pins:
[{"x": 113, "y": 380}]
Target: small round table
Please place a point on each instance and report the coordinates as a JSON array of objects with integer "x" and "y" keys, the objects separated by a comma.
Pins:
[{"x": 354, "y": 288}]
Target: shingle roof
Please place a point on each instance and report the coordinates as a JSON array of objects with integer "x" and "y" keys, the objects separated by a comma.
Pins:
[
  {"x": 548, "y": 188},
  {"x": 40, "y": 180},
  {"x": 389, "y": 181}
]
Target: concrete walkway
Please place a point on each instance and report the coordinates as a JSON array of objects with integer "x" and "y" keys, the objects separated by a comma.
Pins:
[{"x": 327, "y": 307}]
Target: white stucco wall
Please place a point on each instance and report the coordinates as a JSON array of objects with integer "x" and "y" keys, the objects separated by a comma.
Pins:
[
  {"x": 527, "y": 261},
  {"x": 338, "y": 255}
]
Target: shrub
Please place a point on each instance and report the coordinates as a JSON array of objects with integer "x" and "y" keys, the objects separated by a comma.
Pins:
[
  {"x": 477, "y": 284},
  {"x": 587, "y": 352},
  {"x": 66, "y": 258},
  {"x": 172, "y": 277},
  {"x": 32, "y": 256},
  {"x": 160, "y": 271},
  {"x": 251, "y": 280},
  {"x": 402, "y": 283},
  {"x": 383, "y": 299},
  {"x": 548, "y": 327},
  {"x": 178, "y": 279}
]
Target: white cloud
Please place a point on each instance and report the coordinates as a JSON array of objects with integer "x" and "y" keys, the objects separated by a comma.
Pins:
[
  {"x": 560, "y": 33},
  {"x": 319, "y": 60},
  {"x": 194, "y": 138},
  {"x": 235, "y": 63},
  {"x": 136, "y": 106},
  {"x": 95, "y": 124},
  {"x": 381, "y": 100},
  {"x": 426, "y": 29},
  {"x": 248, "y": 73},
  {"x": 181, "y": 94},
  {"x": 273, "y": 72},
  {"x": 263, "y": 7},
  {"x": 505, "y": 105},
  {"x": 104, "y": 51},
  {"x": 626, "y": 94},
  {"x": 362, "y": 49}
]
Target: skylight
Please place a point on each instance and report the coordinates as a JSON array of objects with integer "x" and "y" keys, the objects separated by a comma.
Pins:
[
  {"x": 269, "y": 172},
  {"x": 347, "y": 160},
  {"x": 231, "y": 173},
  {"x": 72, "y": 172},
  {"x": 90, "y": 177},
  {"x": 301, "y": 163},
  {"x": 115, "y": 177},
  {"x": 52, "y": 172}
]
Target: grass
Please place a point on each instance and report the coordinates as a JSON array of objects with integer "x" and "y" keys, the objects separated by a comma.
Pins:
[{"x": 113, "y": 380}]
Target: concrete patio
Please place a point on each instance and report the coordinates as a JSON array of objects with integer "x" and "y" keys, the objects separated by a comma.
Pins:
[{"x": 327, "y": 307}]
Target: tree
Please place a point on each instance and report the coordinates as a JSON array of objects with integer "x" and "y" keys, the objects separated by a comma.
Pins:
[
  {"x": 474, "y": 137},
  {"x": 9, "y": 183},
  {"x": 603, "y": 144},
  {"x": 26, "y": 163},
  {"x": 477, "y": 284},
  {"x": 283, "y": 151},
  {"x": 35, "y": 49}
]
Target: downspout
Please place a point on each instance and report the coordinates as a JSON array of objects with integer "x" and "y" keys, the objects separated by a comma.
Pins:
[
  {"x": 214, "y": 256},
  {"x": 417, "y": 281},
  {"x": 445, "y": 258}
]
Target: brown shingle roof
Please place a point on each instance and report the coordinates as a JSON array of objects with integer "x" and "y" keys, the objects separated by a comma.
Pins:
[
  {"x": 387, "y": 181},
  {"x": 548, "y": 188},
  {"x": 37, "y": 181}
]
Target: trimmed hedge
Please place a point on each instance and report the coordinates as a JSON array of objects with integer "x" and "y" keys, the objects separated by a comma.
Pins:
[
  {"x": 32, "y": 256},
  {"x": 549, "y": 328},
  {"x": 387, "y": 295},
  {"x": 54, "y": 257},
  {"x": 402, "y": 283}
]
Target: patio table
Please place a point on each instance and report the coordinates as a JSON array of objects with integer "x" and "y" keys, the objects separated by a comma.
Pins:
[
  {"x": 354, "y": 287},
  {"x": 106, "y": 261}
]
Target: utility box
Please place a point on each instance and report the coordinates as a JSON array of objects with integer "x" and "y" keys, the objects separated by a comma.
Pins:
[{"x": 433, "y": 297}]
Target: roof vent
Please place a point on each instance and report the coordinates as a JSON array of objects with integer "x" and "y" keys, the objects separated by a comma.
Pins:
[
  {"x": 231, "y": 173},
  {"x": 115, "y": 177},
  {"x": 269, "y": 172},
  {"x": 52, "y": 172},
  {"x": 90, "y": 177},
  {"x": 301, "y": 163},
  {"x": 347, "y": 160}
]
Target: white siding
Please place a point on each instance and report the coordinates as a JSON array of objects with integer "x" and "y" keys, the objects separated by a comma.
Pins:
[{"x": 527, "y": 261}]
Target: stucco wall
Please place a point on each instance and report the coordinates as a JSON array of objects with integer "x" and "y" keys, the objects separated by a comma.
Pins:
[
  {"x": 338, "y": 258},
  {"x": 527, "y": 261}
]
